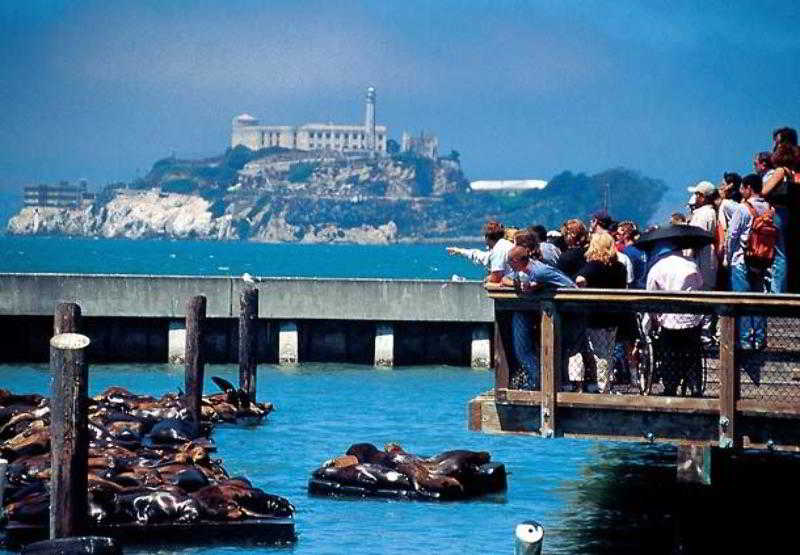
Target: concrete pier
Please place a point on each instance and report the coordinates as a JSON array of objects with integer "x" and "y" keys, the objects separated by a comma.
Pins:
[
  {"x": 288, "y": 344},
  {"x": 139, "y": 318},
  {"x": 384, "y": 345},
  {"x": 480, "y": 352},
  {"x": 176, "y": 342}
]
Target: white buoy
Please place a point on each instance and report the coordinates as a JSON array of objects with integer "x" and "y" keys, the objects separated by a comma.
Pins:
[{"x": 528, "y": 537}]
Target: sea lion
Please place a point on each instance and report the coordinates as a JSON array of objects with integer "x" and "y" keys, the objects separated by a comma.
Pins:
[
  {"x": 368, "y": 453},
  {"x": 32, "y": 509},
  {"x": 34, "y": 440},
  {"x": 164, "y": 505},
  {"x": 426, "y": 483},
  {"x": 172, "y": 430}
]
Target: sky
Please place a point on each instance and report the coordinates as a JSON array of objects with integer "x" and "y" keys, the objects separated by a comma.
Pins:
[{"x": 680, "y": 91}]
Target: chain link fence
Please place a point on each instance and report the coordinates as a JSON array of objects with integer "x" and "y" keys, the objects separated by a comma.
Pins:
[{"x": 672, "y": 354}]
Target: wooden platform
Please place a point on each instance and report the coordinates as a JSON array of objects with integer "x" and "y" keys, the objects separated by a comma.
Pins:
[
  {"x": 736, "y": 410},
  {"x": 277, "y": 531}
]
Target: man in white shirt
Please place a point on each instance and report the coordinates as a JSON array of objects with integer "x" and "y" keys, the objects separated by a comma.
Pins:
[
  {"x": 494, "y": 259},
  {"x": 677, "y": 346},
  {"x": 705, "y": 217}
]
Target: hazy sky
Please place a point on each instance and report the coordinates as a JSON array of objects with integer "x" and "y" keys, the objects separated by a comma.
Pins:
[{"x": 679, "y": 91}]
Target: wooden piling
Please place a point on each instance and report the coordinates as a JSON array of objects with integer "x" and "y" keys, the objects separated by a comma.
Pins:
[
  {"x": 67, "y": 318},
  {"x": 728, "y": 383},
  {"x": 69, "y": 437},
  {"x": 195, "y": 361},
  {"x": 551, "y": 362},
  {"x": 248, "y": 318},
  {"x": 501, "y": 369}
]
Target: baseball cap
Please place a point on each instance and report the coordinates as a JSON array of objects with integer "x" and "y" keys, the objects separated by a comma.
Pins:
[{"x": 704, "y": 188}]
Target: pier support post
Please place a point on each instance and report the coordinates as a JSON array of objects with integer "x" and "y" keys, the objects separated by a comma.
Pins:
[
  {"x": 67, "y": 318},
  {"x": 248, "y": 318},
  {"x": 694, "y": 464},
  {"x": 176, "y": 342},
  {"x": 288, "y": 343},
  {"x": 480, "y": 354},
  {"x": 501, "y": 368},
  {"x": 550, "y": 366},
  {"x": 728, "y": 383},
  {"x": 69, "y": 435},
  {"x": 384, "y": 345},
  {"x": 195, "y": 361}
]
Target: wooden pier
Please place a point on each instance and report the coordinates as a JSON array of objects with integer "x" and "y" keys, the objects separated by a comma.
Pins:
[{"x": 735, "y": 410}]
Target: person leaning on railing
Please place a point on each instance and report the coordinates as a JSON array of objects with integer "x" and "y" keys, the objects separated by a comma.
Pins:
[
  {"x": 529, "y": 273},
  {"x": 602, "y": 270}
]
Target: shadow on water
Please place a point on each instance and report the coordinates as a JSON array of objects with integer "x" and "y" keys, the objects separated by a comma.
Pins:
[{"x": 630, "y": 502}]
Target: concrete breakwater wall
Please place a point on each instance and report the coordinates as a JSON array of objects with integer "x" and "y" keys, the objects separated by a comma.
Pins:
[{"x": 140, "y": 318}]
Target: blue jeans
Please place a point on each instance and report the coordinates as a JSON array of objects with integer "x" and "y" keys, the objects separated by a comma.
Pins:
[
  {"x": 525, "y": 349},
  {"x": 750, "y": 329},
  {"x": 779, "y": 283}
]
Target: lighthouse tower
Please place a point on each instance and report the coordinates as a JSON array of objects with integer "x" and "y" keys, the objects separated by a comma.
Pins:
[{"x": 369, "y": 120}]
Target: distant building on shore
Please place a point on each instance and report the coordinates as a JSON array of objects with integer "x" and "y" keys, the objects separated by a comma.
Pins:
[
  {"x": 508, "y": 185},
  {"x": 424, "y": 145},
  {"x": 62, "y": 195},
  {"x": 368, "y": 137}
]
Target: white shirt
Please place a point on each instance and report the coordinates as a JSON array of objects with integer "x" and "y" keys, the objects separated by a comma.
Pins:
[
  {"x": 626, "y": 261},
  {"x": 675, "y": 272},
  {"x": 705, "y": 217},
  {"x": 494, "y": 259}
]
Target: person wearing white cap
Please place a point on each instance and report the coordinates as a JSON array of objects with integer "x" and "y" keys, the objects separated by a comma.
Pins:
[{"x": 705, "y": 217}]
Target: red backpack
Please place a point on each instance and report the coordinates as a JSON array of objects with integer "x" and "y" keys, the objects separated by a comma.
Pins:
[{"x": 760, "y": 249}]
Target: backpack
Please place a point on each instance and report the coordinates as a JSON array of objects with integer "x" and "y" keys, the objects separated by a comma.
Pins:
[{"x": 760, "y": 249}]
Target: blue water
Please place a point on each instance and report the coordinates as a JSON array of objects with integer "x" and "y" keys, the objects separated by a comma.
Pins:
[
  {"x": 217, "y": 258},
  {"x": 322, "y": 408},
  {"x": 591, "y": 497}
]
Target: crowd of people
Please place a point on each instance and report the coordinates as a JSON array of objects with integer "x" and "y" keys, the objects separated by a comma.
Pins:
[{"x": 736, "y": 237}]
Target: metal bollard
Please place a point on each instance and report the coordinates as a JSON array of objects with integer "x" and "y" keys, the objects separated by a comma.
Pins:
[{"x": 528, "y": 537}]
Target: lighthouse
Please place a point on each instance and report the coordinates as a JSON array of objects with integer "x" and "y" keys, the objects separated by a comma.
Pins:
[{"x": 369, "y": 120}]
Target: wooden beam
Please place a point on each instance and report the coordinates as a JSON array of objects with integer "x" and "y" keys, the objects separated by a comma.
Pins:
[
  {"x": 777, "y": 409},
  {"x": 501, "y": 372},
  {"x": 550, "y": 366},
  {"x": 638, "y": 403},
  {"x": 728, "y": 383},
  {"x": 518, "y": 397},
  {"x": 475, "y": 422}
]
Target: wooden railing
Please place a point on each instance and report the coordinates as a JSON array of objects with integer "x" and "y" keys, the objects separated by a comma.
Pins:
[{"x": 728, "y": 406}]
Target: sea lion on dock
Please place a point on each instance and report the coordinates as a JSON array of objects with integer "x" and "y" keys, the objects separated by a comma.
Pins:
[
  {"x": 164, "y": 505},
  {"x": 34, "y": 440},
  {"x": 429, "y": 484},
  {"x": 172, "y": 430},
  {"x": 31, "y": 509},
  {"x": 368, "y": 453}
]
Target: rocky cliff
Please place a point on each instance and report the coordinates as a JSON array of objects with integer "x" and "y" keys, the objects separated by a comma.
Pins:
[
  {"x": 279, "y": 195},
  {"x": 150, "y": 214}
]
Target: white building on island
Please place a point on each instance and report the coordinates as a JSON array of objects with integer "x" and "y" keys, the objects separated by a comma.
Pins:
[
  {"x": 508, "y": 185},
  {"x": 368, "y": 137}
]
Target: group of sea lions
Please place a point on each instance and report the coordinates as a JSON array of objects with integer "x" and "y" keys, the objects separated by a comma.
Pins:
[
  {"x": 147, "y": 461},
  {"x": 364, "y": 470}
]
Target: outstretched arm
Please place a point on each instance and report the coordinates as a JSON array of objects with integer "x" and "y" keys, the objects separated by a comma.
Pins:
[{"x": 477, "y": 256}]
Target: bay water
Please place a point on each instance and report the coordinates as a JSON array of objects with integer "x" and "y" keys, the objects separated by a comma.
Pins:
[{"x": 590, "y": 496}]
